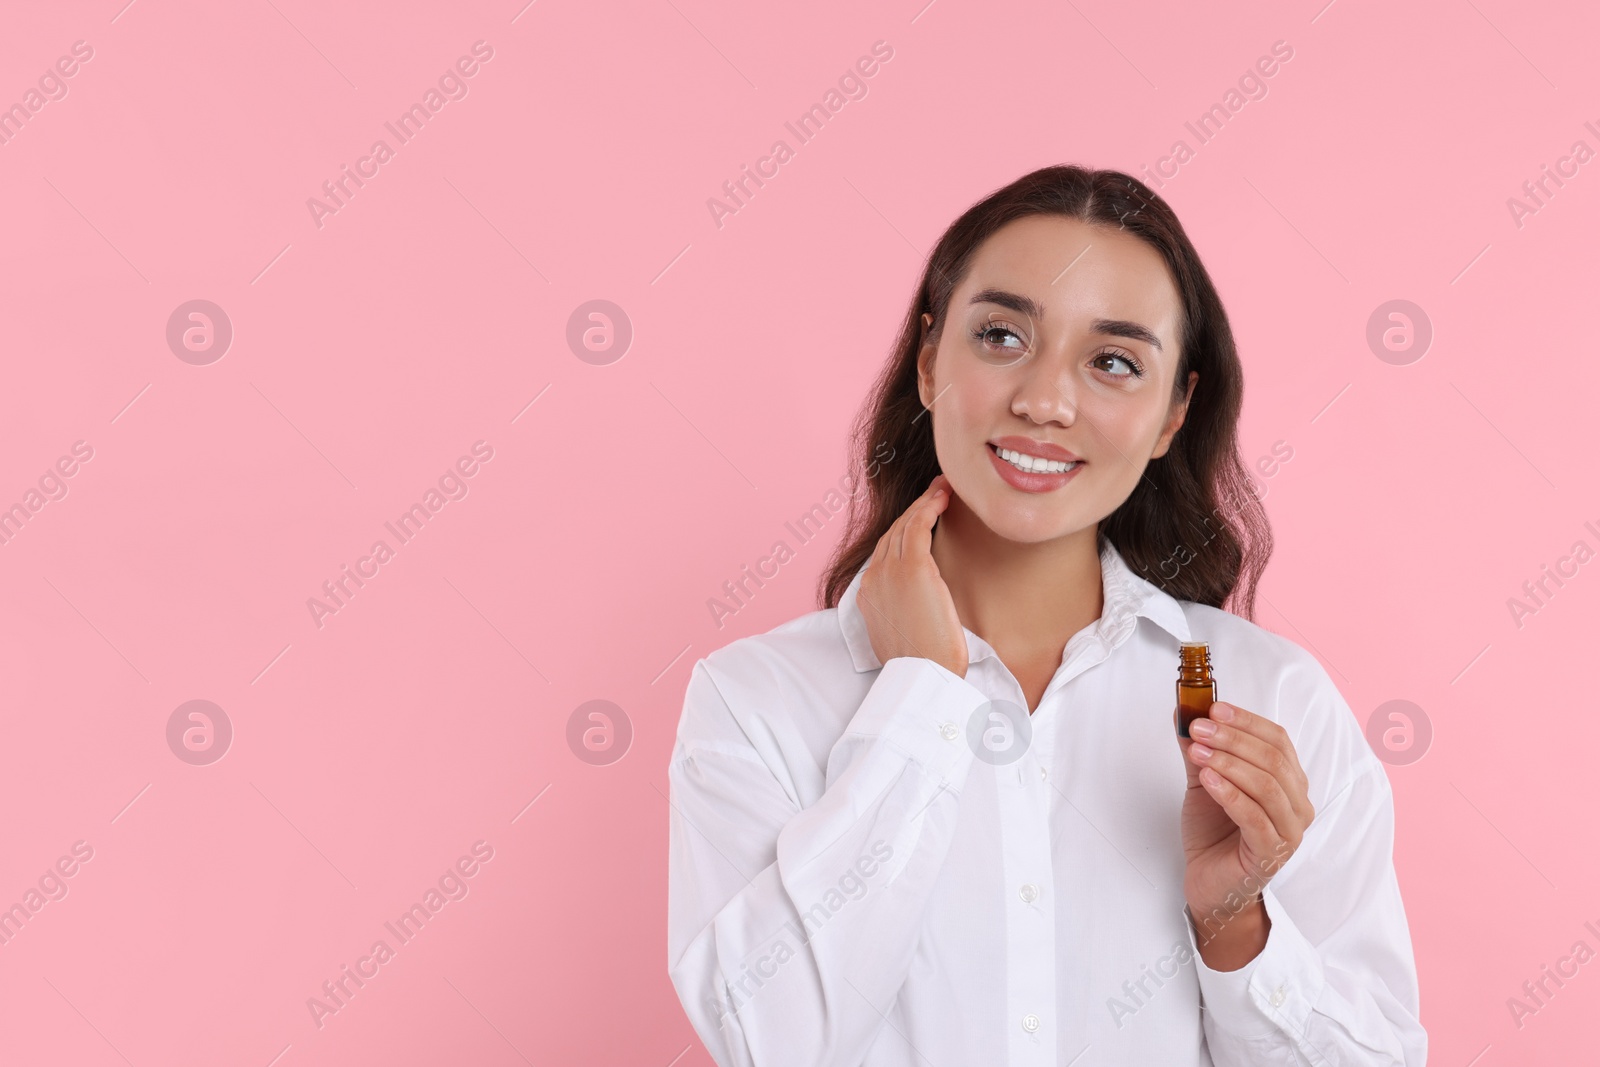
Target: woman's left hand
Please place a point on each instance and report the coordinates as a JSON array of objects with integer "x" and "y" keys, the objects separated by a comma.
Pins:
[{"x": 1244, "y": 814}]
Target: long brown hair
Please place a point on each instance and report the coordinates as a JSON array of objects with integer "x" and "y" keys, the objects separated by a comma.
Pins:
[{"x": 1193, "y": 525}]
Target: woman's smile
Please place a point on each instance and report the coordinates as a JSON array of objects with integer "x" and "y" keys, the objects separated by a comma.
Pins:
[{"x": 1030, "y": 472}]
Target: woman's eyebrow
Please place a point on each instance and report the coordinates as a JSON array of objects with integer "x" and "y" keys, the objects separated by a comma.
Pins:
[
  {"x": 1123, "y": 328},
  {"x": 1026, "y": 305}
]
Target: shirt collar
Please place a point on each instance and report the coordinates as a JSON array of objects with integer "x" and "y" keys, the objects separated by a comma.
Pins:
[{"x": 1127, "y": 597}]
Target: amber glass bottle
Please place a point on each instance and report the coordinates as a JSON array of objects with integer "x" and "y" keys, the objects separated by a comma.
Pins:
[{"x": 1196, "y": 687}]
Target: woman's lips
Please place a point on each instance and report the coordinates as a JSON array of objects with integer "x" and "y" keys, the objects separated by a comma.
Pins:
[{"x": 1030, "y": 481}]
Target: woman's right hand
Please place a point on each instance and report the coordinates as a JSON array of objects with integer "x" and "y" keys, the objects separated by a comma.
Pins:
[{"x": 907, "y": 606}]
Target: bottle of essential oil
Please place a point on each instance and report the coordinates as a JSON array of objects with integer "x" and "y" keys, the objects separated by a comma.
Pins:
[{"x": 1197, "y": 689}]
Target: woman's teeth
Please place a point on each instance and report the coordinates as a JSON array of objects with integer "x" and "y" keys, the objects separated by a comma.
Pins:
[{"x": 1034, "y": 465}]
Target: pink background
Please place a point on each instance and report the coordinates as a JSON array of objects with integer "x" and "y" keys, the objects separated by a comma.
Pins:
[{"x": 368, "y": 354}]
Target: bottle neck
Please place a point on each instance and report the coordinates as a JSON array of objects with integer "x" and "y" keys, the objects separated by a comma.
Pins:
[{"x": 1194, "y": 665}]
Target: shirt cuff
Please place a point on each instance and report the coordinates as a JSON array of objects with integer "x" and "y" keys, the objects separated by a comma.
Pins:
[
  {"x": 923, "y": 710},
  {"x": 1274, "y": 992}
]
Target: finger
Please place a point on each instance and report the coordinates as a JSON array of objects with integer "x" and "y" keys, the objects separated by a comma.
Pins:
[
  {"x": 1261, "y": 787},
  {"x": 918, "y": 537},
  {"x": 897, "y": 546},
  {"x": 1259, "y": 726},
  {"x": 881, "y": 549},
  {"x": 897, "y": 535},
  {"x": 1251, "y": 723},
  {"x": 1255, "y": 827},
  {"x": 1255, "y": 750}
]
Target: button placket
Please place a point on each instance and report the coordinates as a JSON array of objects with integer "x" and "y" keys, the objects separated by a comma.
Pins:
[{"x": 1024, "y": 829}]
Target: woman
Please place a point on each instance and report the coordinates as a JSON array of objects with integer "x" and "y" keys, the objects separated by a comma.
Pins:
[{"x": 947, "y": 819}]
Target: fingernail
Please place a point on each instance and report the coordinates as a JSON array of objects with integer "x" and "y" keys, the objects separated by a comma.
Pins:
[
  {"x": 1202, "y": 728},
  {"x": 1221, "y": 712},
  {"x": 1198, "y": 750}
]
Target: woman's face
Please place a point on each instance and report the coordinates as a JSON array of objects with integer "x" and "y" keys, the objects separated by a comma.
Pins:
[{"x": 1060, "y": 345}]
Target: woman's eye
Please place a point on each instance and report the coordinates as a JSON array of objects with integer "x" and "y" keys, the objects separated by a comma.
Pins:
[
  {"x": 1134, "y": 369},
  {"x": 994, "y": 335}
]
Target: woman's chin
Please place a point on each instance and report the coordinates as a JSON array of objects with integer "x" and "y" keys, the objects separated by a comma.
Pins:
[{"x": 1028, "y": 525}]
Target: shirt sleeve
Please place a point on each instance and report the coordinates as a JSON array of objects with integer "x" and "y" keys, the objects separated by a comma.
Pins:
[
  {"x": 1336, "y": 981},
  {"x": 791, "y": 930}
]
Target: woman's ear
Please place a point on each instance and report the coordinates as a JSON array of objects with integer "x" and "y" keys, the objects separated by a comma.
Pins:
[
  {"x": 1175, "y": 419},
  {"x": 925, "y": 353}
]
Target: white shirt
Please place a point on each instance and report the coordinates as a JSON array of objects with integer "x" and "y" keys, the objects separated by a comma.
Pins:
[{"x": 963, "y": 910}]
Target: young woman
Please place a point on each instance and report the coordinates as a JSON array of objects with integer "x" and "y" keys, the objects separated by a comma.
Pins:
[{"x": 948, "y": 819}]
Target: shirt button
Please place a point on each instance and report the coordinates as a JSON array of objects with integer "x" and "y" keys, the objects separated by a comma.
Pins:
[
  {"x": 1030, "y": 1022},
  {"x": 948, "y": 731},
  {"x": 1042, "y": 773},
  {"x": 1277, "y": 997},
  {"x": 1029, "y": 893}
]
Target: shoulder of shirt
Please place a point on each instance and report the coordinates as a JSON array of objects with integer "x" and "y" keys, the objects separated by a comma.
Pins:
[
  {"x": 809, "y": 642},
  {"x": 771, "y": 684},
  {"x": 1265, "y": 649}
]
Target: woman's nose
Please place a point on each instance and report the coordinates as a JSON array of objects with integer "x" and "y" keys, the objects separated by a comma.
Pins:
[{"x": 1047, "y": 393}]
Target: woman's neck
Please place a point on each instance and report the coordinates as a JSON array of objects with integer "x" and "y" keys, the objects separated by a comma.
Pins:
[{"x": 1023, "y": 599}]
